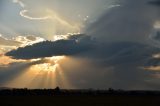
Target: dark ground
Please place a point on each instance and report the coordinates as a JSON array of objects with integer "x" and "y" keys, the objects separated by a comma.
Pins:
[
  {"x": 79, "y": 101},
  {"x": 58, "y": 97}
]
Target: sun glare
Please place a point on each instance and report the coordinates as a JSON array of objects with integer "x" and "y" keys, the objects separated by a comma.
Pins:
[
  {"x": 50, "y": 64},
  {"x": 45, "y": 67},
  {"x": 55, "y": 22}
]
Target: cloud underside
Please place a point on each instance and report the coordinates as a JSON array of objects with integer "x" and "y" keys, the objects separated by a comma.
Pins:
[
  {"x": 70, "y": 46},
  {"x": 112, "y": 54}
]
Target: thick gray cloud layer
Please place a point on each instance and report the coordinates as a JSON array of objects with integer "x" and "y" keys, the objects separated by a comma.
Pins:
[
  {"x": 132, "y": 21},
  {"x": 156, "y": 2}
]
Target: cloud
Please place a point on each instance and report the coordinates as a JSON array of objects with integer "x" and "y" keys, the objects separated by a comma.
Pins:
[
  {"x": 19, "y": 2},
  {"x": 133, "y": 21},
  {"x": 24, "y": 12},
  {"x": 20, "y": 40},
  {"x": 15, "y": 42},
  {"x": 155, "y": 2},
  {"x": 113, "y": 6},
  {"x": 28, "y": 40},
  {"x": 32, "y": 38},
  {"x": 155, "y": 36},
  {"x": 7, "y": 42},
  {"x": 116, "y": 65},
  {"x": 71, "y": 46}
]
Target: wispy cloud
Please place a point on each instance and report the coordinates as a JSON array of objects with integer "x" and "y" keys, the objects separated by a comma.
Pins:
[
  {"x": 24, "y": 12},
  {"x": 19, "y": 2},
  {"x": 8, "y": 42}
]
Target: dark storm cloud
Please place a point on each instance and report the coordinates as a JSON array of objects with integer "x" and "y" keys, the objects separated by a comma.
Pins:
[
  {"x": 132, "y": 21},
  {"x": 71, "y": 46},
  {"x": 118, "y": 65},
  {"x": 155, "y": 2}
]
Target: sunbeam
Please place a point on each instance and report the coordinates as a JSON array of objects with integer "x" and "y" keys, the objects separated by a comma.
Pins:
[{"x": 46, "y": 73}]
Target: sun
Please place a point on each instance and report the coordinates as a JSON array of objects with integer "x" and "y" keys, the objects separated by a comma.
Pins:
[
  {"x": 45, "y": 67},
  {"x": 50, "y": 64}
]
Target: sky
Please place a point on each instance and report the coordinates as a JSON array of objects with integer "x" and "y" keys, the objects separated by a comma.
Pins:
[{"x": 80, "y": 44}]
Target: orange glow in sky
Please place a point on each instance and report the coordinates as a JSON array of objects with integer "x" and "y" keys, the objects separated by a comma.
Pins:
[
  {"x": 5, "y": 60},
  {"x": 46, "y": 74}
]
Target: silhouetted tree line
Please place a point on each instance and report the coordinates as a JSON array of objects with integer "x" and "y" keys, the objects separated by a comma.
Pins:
[{"x": 84, "y": 92}]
